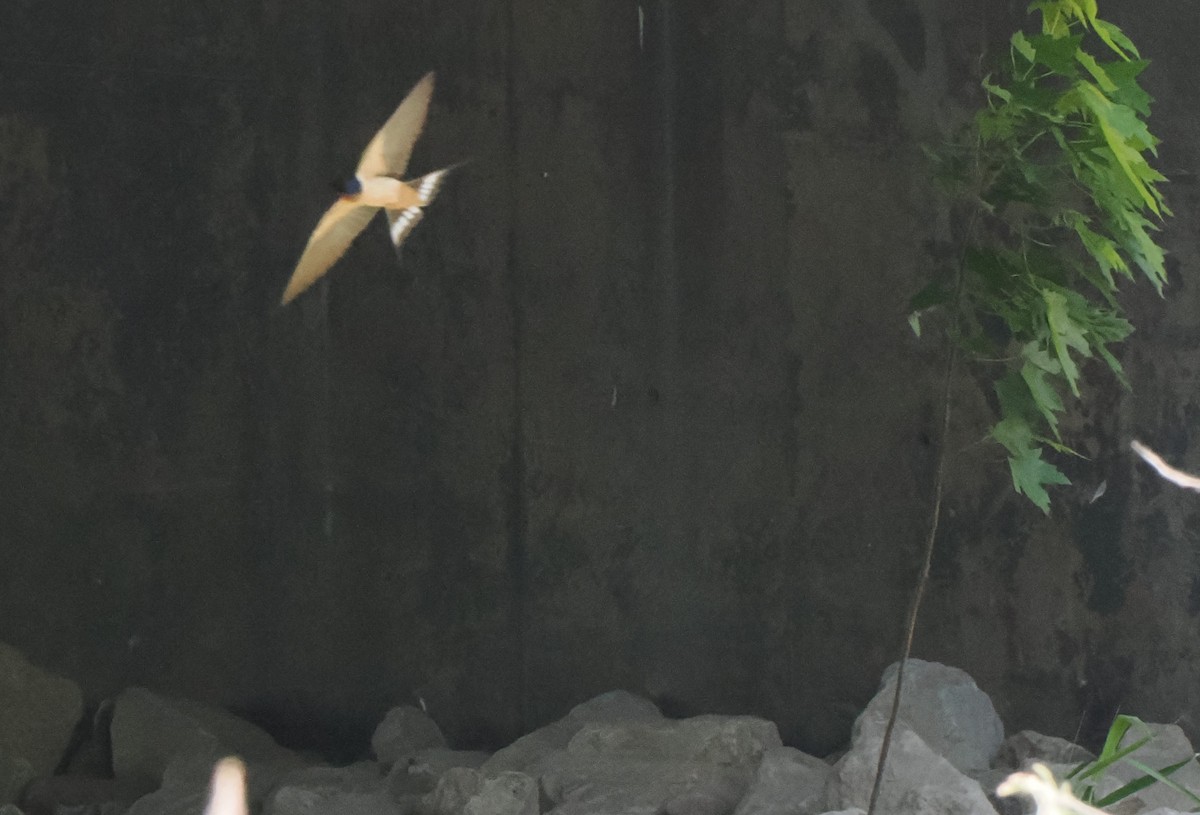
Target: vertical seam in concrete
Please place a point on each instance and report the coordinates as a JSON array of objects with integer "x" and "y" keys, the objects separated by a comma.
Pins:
[
  {"x": 666, "y": 257},
  {"x": 518, "y": 525}
]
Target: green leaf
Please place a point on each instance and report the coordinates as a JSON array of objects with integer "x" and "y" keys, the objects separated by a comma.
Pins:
[
  {"x": 1104, "y": 252},
  {"x": 1065, "y": 335},
  {"x": 1129, "y": 92},
  {"x": 1097, "y": 71},
  {"x": 1030, "y": 475},
  {"x": 1109, "y": 121},
  {"x": 1114, "y": 38},
  {"x": 1045, "y": 398},
  {"x": 996, "y": 90},
  {"x": 1162, "y": 776},
  {"x": 1023, "y": 46},
  {"x": 1147, "y": 254},
  {"x": 1039, "y": 356},
  {"x": 1115, "y": 366},
  {"x": 1014, "y": 433},
  {"x": 990, "y": 265},
  {"x": 1057, "y": 53}
]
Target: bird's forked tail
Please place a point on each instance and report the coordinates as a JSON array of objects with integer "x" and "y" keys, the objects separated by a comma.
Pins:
[{"x": 402, "y": 222}]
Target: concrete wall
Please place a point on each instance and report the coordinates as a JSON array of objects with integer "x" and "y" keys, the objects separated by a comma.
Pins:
[{"x": 639, "y": 408}]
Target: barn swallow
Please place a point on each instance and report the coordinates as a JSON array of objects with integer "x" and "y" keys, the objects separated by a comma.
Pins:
[{"x": 377, "y": 184}]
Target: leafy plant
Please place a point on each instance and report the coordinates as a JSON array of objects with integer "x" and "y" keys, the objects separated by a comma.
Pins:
[
  {"x": 1055, "y": 201},
  {"x": 1051, "y": 184},
  {"x": 1087, "y": 776}
]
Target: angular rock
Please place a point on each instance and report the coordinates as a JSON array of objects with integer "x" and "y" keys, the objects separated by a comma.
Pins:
[
  {"x": 943, "y": 706},
  {"x": 38, "y": 712},
  {"x": 698, "y": 765},
  {"x": 505, "y": 794},
  {"x": 916, "y": 781},
  {"x": 72, "y": 793},
  {"x": 1021, "y": 750},
  {"x": 421, "y": 775},
  {"x": 362, "y": 777},
  {"x": 171, "y": 799},
  {"x": 15, "y": 775},
  {"x": 787, "y": 782},
  {"x": 463, "y": 791},
  {"x": 404, "y": 731},
  {"x": 294, "y": 800},
  {"x": 737, "y": 741},
  {"x": 614, "y": 706},
  {"x": 580, "y": 784},
  {"x": 149, "y": 732},
  {"x": 455, "y": 787},
  {"x": 358, "y": 789}
]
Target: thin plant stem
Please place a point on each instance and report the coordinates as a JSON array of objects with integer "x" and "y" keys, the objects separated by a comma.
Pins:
[
  {"x": 939, "y": 484},
  {"x": 918, "y": 595},
  {"x": 939, "y": 480}
]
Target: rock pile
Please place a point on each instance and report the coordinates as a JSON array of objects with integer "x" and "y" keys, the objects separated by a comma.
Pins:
[{"x": 615, "y": 754}]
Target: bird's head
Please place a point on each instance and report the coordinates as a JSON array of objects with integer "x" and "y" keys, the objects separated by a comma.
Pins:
[{"x": 346, "y": 186}]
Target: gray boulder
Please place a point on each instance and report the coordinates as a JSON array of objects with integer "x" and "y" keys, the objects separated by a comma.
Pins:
[
  {"x": 698, "y": 766},
  {"x": 463, "y": 791},
  {"x": 738, "y": 741},
  {"x": 943, "y": 706},
  {"x": 421, "y": 774},
  {"x": 38, "y": 714},
  {"x": 15, "y": 775},
  {"x": 787, "y": 782},
  {"x": 404, "y": 731},
  {"x": 299, "y": 800},
  {"x": 150, "y": 732},
  {"x": 574, "y": 784},
  {"x": 614, "y": 706},
  {"x": 172, "y": 799},
  {"x": 1022, "y": 750},
  {"x": 916, "y": 781},
  {"x": 358, "y": 789}
]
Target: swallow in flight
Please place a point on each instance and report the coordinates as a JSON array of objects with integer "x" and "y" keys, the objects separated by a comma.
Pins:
[{"x": 377, "y": 184}]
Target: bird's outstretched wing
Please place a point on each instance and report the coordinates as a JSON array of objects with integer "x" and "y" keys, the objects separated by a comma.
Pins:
[
  {"x": 1185, "y": 480},
  {"x": 402, "y": 221},
  {"x": 389, "y": 150},
  {"x": 336, "y": 230}
]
